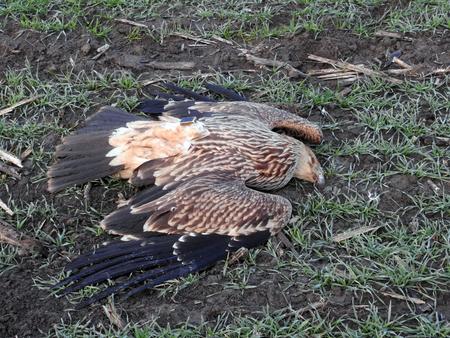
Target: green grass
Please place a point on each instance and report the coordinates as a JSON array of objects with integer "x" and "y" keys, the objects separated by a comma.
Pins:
[
  {"x": 8, "y": 257},
  {"x": 244, "y": 20},
  {"x": 283, "y": 323}
]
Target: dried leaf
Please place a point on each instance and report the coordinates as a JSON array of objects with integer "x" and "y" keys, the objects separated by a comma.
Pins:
[
  {"x": 18, "y": 104},
  {"x": 353, "y": 233},
  {"x": 6, "y": 156},
  {"x": 401, "y": 297}
]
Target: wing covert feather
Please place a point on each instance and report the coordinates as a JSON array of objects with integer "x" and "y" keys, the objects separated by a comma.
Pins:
[{"x": 214, "y": 205}]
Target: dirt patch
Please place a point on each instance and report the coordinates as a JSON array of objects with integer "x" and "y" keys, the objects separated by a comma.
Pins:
[{"x": 75, "y": 50}]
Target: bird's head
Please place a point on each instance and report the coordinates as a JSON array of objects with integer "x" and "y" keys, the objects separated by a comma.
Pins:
[{"x": 308, "y": 167}]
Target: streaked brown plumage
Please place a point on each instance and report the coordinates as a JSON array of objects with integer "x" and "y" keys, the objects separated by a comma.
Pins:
[{"x": 208, "y": 163}]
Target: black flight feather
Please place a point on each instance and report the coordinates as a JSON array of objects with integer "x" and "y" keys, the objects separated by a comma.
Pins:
[
  {"x": 186, "y": 92},
  {"x": 152, "y": 261},
  {"x": 225, "y": 92}
]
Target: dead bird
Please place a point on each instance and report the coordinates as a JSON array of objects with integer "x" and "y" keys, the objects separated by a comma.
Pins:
[{"x": 204, "y": 167}]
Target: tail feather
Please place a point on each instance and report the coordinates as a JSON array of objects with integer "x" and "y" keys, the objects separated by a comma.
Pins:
[
  {"x": 74, "y": 151},
  {"x": 151, "y": 261},
  {"x": 172, "y": 273},
  {"x": 108, "y": 117}
]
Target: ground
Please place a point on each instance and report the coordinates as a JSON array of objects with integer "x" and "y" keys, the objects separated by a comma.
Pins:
[{"x": 386, "y": 156}]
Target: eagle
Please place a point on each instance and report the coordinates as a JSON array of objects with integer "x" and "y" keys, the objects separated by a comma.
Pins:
[{"x": 203, "y": 168}]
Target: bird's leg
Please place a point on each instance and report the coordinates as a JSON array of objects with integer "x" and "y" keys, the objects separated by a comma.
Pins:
[{"x": 237, "y": 255}]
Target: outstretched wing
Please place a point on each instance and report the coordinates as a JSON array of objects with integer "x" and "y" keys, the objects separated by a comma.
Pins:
[
  {"x": 200, "y": 106},
  {"x": 215, "y": 204},
  {"x": 115, "y": 142},
  {"x": 203, "y": 219}
]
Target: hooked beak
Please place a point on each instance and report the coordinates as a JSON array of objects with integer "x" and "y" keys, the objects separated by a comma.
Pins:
[
  {"x": 316, "y": 178},
  {"x": 320, "y": 181}
]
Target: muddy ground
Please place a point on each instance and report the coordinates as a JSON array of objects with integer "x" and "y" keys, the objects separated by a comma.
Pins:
[{"x": 26, "y": 310}]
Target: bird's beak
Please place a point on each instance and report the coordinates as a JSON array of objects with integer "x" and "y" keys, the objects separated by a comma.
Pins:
[
  {"x": 316, "y": 178},
  {"x": 320, "y": 181}
]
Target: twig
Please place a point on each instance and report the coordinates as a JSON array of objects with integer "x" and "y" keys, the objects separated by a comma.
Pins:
[
  {"x": 399, "y": 71},
  {"x": 401, "y": 63},
  {"x": 439, "y": 71},
  {"x": 150, "y": 82},
  {"x": 86, "y": 193},
  {"x": 4, "y": 155},
  {"x": 392, "y": 35},
  {"x": 312, "y": 306},
  {"x": 356, "y": 68},
  {"x": 345, "y": 91},
  {"x": 171, "y": 65},
  {"x": 27, "y": 152},
  {"x": 292, "y": 71},
  {"x": 287, "y": 243},
  {"x": 218, "y": 38},
  {"x": 324, "y": 71},
  {"x": 8, "y": 170},
  {"x": 6, "y": 208},
  {"x": 352, "y": 233},
  {"x": 18, "y": 104},
  {"x": 443, "y": 140},
  {"x": 113, "y": 315},
  {"x": 433, "y": 186},
  {"x": 193, "y": 38},
  {"x": 10, "y": 236},
  {"x": 237, "y": 255},
  {"x": 309, "y": 307},
  {"x": 337, "y": 76},
  {"x": 401, "y": 297},
  {"x": 101, "y": 50},
  {"x": 132, "y": 23}
]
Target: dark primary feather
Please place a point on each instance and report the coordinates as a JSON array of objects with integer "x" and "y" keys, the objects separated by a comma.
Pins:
[
  {"x": 151, "y": 261},
  {"x": 158, "y": 106},
  {"x": 225, "y": 92},
  {"x": 186, "y": 92}
]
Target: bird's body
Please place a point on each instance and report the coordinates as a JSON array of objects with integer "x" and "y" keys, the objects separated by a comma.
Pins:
[
  {"x": 239, "y": 147},
  {"x": 207, "y": 163}
]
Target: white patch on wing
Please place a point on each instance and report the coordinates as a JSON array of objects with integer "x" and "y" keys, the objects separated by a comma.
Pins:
[
  {"x": 186, "y": 145},
  {"x": 120, "y": 131},
  {"x": 142, "y": 141},
  {"x": 127, "y": 238},
  {"x": 114, "y": 152}
]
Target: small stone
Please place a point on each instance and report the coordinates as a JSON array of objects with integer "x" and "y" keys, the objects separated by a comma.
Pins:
[{"x": 86, "y": 48}]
